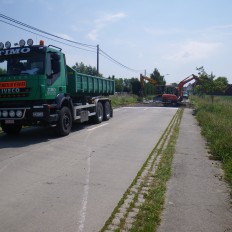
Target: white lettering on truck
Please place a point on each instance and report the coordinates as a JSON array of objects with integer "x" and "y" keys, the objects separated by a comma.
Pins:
[
  {"x": 14, "y": 51},
  {"x": 4, "y": 91}
]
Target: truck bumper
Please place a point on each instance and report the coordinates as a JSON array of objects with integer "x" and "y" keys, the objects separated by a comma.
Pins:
[{"x": 29, "y": 115}]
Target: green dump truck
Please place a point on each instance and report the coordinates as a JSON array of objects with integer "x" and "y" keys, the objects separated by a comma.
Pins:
[{"x": 38, "y": 88}]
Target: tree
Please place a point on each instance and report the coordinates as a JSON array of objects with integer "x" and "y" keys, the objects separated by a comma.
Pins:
[
  {"x": 156, "y": 76},
  {"x": 221, "y": 84},
  {"x": 207, "y": 84},
  {"x": 127, "y": 85},
  {"x": 89, "y": 70},
  {"x": 135, "y": 86},
  {"x": 119, "y": 85},
  {"x": 149, "y": 89}
]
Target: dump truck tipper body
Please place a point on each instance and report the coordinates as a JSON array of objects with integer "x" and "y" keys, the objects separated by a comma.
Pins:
[{"x": 82, "y": 84}]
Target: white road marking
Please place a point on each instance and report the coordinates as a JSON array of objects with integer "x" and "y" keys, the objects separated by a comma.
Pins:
[
  {"x": 85, "y": 198},
  {"x": 97, "y": 127},
  {"x": 86, "y": 188}
]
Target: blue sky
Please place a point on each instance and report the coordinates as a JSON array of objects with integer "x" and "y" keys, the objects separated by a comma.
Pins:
[{"x": 174, "y": 36}]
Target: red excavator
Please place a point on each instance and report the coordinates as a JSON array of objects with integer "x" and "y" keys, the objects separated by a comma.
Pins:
[{"x": 169, "y": 98}]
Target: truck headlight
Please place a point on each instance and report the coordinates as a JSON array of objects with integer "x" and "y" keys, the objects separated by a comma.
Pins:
[
  {"x": 5, "y": 113},
  {"x": 12, "y": 113},
  {"x": 7, "y": 44},
  {"x": 22, "y": 43},
  {"x": 19, "y": 113},
  {"x": 29, "y": 42}
]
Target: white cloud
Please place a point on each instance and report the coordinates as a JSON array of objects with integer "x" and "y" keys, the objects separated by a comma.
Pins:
[
  {"x": 103, "y": 22},
  {"x": 160, "y": 32},
  {"x": 65, "y": 36},
  {"x": 190, "y": 51}
]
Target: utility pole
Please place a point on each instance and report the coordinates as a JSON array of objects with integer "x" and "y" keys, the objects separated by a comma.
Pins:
[{"x": 97, "y": 59}]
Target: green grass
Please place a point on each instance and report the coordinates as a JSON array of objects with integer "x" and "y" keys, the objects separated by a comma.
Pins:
[
  {"x": 215, "y": 120},
  {"x": 123, "y": 100}
]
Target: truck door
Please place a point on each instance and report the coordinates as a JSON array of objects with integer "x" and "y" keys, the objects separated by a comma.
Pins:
[{"x": 54, "y": 80}]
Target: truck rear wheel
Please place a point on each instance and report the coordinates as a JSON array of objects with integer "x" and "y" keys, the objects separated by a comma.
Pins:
[
  {"x": 99, "y": 113},
  {"x": 107, "y": 111},
  {"x": 64, "y": 125},
  {"x": 11, "y": 129}
]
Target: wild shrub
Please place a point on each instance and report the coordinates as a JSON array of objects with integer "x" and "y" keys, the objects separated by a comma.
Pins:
[{"x": 215, "y": 120}]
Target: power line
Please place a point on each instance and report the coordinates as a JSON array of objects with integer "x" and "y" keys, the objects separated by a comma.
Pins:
[
  {"x": 41, "y": 31},
  {"x": 104, "y": 54},
  {"x": 117, "y": 62},
  {"x": 48, "y": 37}
]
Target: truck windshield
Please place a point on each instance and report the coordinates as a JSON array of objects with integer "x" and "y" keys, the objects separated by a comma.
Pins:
[{"x": 27, "y": 65}]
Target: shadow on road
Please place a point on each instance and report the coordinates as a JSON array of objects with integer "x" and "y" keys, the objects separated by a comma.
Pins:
[{"x": 34, "y": 135}]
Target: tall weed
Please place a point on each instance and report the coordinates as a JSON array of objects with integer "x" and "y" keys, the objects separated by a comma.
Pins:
[{"x": 216, "y": 122}]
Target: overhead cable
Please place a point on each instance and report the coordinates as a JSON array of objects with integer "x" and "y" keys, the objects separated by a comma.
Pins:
[
  {"x": 101, "y": 52},
  {"x": 94, "y": 51},
  {"x": 117, "y": 62},
  {"x": 41, "y": 31}
]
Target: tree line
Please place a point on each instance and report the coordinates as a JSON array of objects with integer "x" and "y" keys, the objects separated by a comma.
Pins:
[{"x": 207, "y": 83}]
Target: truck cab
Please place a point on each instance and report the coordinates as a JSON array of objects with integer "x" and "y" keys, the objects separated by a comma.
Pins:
[
  {"x": 31, "y": 77},
  {"x": 31, "y": 73}
]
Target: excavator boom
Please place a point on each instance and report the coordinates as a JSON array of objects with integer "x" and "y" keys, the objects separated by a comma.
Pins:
[
  {"x": 142, "y": 78},
  {"x": 183, "y": 82},
  {"x": 142, "y": 81}
]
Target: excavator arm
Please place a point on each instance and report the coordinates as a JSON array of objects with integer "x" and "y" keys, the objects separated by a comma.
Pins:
[
  {"x": 142, "y": 81},
  {"x": 142, "y": 78},
  {"x": 183, "y": 82}
]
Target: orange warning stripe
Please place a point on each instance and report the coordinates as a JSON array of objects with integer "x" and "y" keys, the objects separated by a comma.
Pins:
[{"x": 12, "y": 84}]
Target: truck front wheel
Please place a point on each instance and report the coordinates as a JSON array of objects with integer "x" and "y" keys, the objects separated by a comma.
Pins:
[
  {"x": 11, "y": 129},
  {"x": 64, "y": 124}
]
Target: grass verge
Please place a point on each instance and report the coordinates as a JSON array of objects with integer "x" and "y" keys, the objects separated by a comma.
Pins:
[
  {"x": 215, "y": 121},
  {"x": 122, "y": 100}
]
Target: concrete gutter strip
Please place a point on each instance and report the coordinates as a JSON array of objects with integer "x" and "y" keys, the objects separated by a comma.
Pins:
[{"x": 197, "y": 200}]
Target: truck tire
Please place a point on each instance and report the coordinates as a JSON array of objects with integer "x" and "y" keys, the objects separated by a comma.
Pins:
[
  {"x": 64, "y": 124},
  {"x": 98, "y": 117},
  {"x": 107, "y": 111},
  {"x": 11, "y": 129}
]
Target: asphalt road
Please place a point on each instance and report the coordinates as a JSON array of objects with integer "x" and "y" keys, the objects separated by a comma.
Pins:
[{"x": 69, "y": 184}]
